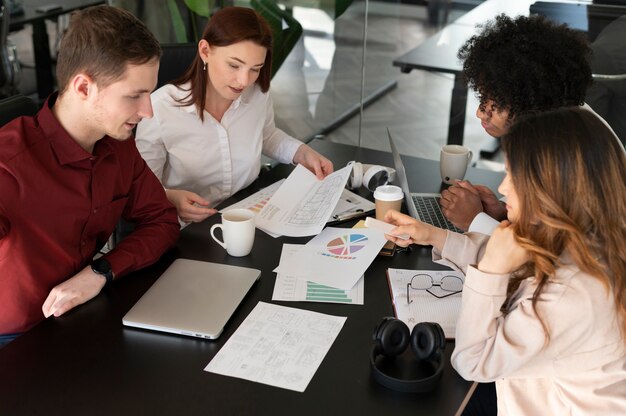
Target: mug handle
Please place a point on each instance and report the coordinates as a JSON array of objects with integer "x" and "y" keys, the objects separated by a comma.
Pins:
[
  {"x": 470, "y": 155},
  {"x": 221, "y": 243}
]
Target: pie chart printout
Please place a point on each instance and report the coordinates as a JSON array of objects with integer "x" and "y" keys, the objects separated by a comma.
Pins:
[{"x": 347, "y": 244}]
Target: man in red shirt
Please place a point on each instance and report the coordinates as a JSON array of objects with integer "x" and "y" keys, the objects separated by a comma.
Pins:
[{"x": 68, "y": 174}]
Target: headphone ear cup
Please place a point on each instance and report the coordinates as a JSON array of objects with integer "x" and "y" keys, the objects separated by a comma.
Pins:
[
  {"x": 374, "y": 176},
  {"x": 356, "y": 176},
  {"x": 427, "y": 340},
  {"x": 392, "y": 337}
]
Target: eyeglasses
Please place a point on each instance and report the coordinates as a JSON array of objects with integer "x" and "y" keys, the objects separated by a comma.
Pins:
[{"x": 422, "y": 281}]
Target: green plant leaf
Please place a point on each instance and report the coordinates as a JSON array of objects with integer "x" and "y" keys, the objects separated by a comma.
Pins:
[
  {"x": 177, "y": 22},
  {"x": 201, "y": 7}
]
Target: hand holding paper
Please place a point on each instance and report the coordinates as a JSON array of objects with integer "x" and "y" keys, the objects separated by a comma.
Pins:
[{"x": 384, "y": 227}]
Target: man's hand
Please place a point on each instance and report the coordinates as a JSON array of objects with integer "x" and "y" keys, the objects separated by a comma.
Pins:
[
  {"x": 75, "y": 291},
  {"x": 503, "y": 254},
  {"x": 190, "y": 206},
  {"x": 460, "y": 203},
  {"x": 313, "y": 161}
]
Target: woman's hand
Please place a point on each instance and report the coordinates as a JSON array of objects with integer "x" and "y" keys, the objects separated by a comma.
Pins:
[
  {"x": 313, "y": 161},
  {"x": 460, "y": 203},
  {"x": 190, "y": 206},
  {"x": 419, "y": 232},
  {"x": 503, "y": 254},
  {"x": 491, "y": 204}
]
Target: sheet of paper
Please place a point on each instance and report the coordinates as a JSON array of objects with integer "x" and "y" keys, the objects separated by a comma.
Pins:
[
  {"x": 303, "y": 204},
  {"x": 351, "y": 205},
  {"x": 337, "y": 257},
  {"x": 278, "y": 346},
  {"x": 424, "y": 306},
  {"x": 291, "y": 288},
  {"x": 384, "y": 227},
  {"x": 258, "y": 200}
]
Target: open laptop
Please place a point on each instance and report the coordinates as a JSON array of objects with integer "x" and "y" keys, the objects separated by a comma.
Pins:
[
  {"x": 193, "y": 298},
  {"x": 423, "y": 206}
]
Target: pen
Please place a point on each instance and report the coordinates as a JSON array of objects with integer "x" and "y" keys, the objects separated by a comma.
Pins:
[{"x": 349, "y": 216}]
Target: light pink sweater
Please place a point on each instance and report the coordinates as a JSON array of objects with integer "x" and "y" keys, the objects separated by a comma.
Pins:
[{"x": 581, "y": 370}]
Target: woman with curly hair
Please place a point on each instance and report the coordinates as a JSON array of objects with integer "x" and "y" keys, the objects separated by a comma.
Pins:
[
  {"x": 516, "y": 65},
  {"x": 544, "y": 301}
]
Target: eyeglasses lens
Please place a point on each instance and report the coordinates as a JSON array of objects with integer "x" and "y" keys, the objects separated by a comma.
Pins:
[{"x": 451, "y": 284}]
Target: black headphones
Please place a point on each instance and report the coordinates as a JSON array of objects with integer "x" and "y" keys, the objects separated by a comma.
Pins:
[{"x": 427, "y": 340}]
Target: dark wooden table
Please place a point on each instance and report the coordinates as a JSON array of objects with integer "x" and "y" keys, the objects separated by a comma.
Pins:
[{"x": 87, "y": 363}]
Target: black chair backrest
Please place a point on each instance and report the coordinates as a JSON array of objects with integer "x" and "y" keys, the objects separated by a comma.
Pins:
[
  {"x": 175, "y": 60},
  {"x": 16, "y": 106},
  {"x": 6, "y": 67}
]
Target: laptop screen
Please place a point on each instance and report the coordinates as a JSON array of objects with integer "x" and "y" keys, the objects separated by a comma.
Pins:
[{"x": 402, "y": 178}]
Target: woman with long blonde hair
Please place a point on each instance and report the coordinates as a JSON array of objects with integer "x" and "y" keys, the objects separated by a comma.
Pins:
[{"x": 544, "y": 303}]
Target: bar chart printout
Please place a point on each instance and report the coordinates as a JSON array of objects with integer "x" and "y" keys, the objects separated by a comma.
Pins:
[{"x": 291, "y": 288}]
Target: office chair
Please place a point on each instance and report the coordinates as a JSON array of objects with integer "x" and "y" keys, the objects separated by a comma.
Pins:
[
  {"x": 175, "y": 60},
  {"x": 15, "y": 106},
  {"x": 9, "y": 66}
]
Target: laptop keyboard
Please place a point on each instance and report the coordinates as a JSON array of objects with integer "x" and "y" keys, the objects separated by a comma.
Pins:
[{"x": 430, "y": 212}]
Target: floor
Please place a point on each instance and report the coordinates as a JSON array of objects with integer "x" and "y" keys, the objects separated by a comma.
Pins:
[
  {"x": 308, "y": 95},
  {"x": 321, "y": 79}
]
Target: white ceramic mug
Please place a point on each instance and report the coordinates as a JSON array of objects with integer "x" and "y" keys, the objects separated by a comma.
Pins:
[
  {"x": 237, "y": 231},
  {"x": 453, "y": 162}
]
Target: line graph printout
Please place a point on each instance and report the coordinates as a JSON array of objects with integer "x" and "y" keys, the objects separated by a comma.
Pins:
[
  {"x": 278, "y": 346},
  {"x": 303, "y": 204},
  {"x": 290, "y": 288},
  {"x": 336, "y": 257}
]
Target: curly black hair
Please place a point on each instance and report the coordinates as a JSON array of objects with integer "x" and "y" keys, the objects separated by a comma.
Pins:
[{"x": 527, "y": 64}]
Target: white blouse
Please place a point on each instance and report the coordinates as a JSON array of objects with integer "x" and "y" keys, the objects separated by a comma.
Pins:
[{"x": 213, "y": 159}]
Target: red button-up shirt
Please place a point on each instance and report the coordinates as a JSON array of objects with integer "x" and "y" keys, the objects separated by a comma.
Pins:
[{"x": 58, "y": 206}]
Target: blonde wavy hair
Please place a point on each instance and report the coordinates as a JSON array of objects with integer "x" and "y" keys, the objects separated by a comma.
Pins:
[{"x": 569, "y": 170}]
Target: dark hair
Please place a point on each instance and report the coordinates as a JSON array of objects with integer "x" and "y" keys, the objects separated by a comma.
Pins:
[
  {"x": 228, "y": 26},
  {"x": 100, "y": 41},
  {"x": 569, "y": 172},
  {"x": 527, "y": 64}
]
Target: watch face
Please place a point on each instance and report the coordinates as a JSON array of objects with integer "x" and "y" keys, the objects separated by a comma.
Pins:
[{"x": 101, "y": 266}]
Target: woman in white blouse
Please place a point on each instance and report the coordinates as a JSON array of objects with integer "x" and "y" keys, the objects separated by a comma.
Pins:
[
  {"x": 211, "y": 125},
  {"x": 544, "y": 302}
]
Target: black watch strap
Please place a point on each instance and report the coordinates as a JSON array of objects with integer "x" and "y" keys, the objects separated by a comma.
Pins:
[{"x": 102, "y": 267}]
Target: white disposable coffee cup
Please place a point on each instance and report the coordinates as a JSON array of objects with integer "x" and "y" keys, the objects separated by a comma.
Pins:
[
  {"x": 237, "y": 231},
  {"x": 453, "y": 162},
  {"x": 387, "y": 197}
]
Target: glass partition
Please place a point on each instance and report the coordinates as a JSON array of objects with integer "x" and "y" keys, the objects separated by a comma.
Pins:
[{"x": 347, "y": 76}]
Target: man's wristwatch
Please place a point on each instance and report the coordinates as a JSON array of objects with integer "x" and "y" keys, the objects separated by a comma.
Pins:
[{"x": 102, "y": 267}]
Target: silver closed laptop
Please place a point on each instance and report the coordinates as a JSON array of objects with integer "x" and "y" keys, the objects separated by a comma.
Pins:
[{"x": 193, "y": 298}]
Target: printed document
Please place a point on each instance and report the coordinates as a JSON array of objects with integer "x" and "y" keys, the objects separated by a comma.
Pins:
[
  {"x": 424, "y": 307},
  {"x": 303, "y": 204},
  {"x": 258, "y": 200},
  {"x": 278, "y": 346},
  {"x": 337, "y": 257},
  {"x": 292, "y": 288}
]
